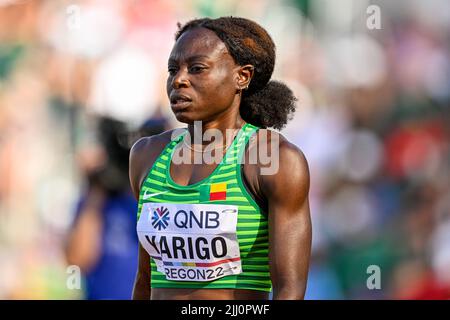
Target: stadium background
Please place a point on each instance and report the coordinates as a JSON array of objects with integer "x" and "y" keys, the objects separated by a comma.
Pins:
[{"x": 373, "y": 120}]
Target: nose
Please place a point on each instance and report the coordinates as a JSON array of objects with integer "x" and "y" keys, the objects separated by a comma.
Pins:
[{"x": 180, "y": 79}]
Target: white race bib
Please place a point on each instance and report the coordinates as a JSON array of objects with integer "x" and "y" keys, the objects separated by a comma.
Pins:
[{"x": 191, "y": 242}]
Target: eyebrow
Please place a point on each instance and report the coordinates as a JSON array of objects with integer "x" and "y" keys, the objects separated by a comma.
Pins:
[{"x": 189, "y": 59}]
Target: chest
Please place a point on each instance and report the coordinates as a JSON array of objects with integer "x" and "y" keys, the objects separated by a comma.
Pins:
[{"x": 188, "y": 166}]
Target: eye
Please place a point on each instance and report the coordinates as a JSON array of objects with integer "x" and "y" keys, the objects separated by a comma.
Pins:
[
  {"x": 196, "y": 69},
  {"x": 172, "y": 70}
]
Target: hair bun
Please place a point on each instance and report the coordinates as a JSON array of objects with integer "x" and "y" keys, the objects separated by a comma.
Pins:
[{"x": 272, "y": 106}]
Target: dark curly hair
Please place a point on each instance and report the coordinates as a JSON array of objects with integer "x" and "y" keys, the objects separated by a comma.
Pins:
[{"x": 265, "y": 103}]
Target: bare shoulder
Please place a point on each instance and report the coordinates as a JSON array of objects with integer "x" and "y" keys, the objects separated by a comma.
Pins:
[
  {"x": 270, "y": 144},
  {"x": 148, "y": 144},
  {"x": 144, "y": 153},
  {"x": 280, "y": 165}
]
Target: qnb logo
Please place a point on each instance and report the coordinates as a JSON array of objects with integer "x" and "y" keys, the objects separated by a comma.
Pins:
[{"x": 160, "y": 218}]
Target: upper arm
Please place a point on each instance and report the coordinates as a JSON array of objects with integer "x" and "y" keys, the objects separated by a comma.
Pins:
[
  {"x": 290, "y": 233},
  {"x": 137, "y": 169},
  {"x": 142, "y": 156},
  {"x": 141, "y": 290}
]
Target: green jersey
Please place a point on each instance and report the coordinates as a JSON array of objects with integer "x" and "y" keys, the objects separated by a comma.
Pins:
[{"x": 211, "y": 234}]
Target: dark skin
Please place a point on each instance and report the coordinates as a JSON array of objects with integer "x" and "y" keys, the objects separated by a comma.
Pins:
[{"x": 201, "y": 68}]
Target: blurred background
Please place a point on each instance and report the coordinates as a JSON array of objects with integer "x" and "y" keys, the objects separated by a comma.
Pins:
[{"x": 81, "y": 80}]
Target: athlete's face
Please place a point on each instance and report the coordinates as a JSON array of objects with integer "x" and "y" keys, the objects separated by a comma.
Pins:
[{"x": 203, "y": 78}]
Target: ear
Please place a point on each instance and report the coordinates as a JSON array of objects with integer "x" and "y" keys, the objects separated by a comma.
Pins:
[{"x": 245, "y": 75}]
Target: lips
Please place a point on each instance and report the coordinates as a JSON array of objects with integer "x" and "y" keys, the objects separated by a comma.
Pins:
[{"x": 179, "y": 102}]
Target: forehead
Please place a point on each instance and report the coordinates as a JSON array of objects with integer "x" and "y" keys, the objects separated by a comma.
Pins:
[{"x": 199, "y": 42}]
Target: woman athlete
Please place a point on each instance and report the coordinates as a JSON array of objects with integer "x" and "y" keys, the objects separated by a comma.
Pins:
[{"x": 225, "y": 229}]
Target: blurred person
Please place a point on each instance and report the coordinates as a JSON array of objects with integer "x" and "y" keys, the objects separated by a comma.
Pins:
[
  {"x": 414, "y": 280},
  {"x": 102, "y": 240},
  {"x": 219, "y": 72}
]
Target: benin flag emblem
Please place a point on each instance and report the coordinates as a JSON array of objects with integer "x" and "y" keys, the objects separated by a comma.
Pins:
[{"x": 218, "y": 191}]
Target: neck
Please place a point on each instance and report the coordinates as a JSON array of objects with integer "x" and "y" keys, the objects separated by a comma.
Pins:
[{"x": 228, "y": 123}]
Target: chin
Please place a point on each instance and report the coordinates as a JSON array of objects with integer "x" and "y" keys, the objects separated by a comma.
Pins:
[{"x": 186, "y": 117}]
